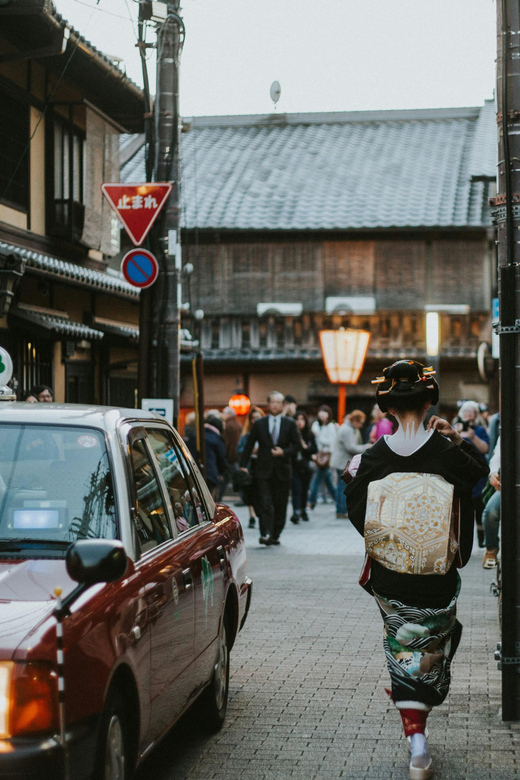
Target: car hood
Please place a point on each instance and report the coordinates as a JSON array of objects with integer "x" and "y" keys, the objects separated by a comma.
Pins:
[{"x": 26, "y": 598}]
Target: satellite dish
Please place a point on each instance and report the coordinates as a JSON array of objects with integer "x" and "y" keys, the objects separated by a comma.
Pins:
[{"x": 275, "y": 92}]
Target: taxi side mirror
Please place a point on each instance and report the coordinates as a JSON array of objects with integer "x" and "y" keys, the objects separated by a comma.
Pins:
[{"x": 96, "y": 560}]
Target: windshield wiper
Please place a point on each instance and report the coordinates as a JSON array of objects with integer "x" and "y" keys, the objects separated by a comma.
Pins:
[{"x": 15, "y": 545}]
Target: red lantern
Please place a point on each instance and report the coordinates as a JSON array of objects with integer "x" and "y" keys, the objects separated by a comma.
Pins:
[{"x": 240, "y": 404}]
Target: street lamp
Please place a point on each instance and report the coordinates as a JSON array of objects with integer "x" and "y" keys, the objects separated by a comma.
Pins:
[
  {"x": 432, "y": 333},
  {"x": 344, "y": 352},
  {"x": 433, "y": 342}
]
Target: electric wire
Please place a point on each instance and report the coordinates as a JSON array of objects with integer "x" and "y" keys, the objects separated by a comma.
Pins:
[{"x": 104, "y": 11}]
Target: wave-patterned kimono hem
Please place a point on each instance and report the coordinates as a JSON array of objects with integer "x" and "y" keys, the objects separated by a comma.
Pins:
[{"x": 419, "y": 645}]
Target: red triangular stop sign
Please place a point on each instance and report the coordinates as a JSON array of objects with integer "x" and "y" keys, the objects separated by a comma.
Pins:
[{"x": 137, "y": 205}]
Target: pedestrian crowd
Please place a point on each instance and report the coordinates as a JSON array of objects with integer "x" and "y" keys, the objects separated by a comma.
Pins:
[{"x": 280, "y": 455}]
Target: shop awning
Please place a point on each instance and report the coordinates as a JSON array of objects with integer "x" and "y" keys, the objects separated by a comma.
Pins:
[
  {"x": 118, "y": 329},
  {"x": 59, "y": 325},
  {"x": 51, "y": 267}
]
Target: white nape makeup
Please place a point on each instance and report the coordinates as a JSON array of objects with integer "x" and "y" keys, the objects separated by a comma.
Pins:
[{"x": 410, "y": 436}]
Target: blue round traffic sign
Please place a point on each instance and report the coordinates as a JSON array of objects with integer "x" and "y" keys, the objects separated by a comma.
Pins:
[{"x": 140, "y": 268}]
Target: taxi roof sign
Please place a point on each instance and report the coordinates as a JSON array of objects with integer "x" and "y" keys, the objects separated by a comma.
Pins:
[{"x": 137, "y": 205}]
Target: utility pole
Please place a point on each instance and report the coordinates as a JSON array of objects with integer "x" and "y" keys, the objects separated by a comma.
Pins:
[
  {"x": 507, "y": 218},
  {"x": 160, "y": 320}
]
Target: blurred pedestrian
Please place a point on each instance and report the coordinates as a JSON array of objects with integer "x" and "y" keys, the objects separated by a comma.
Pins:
[
  {"x": 349, "y": 442},
  {"x": 43, "y": 393},
  {"x": 290, "y": 405},
  {"x": 278, "y": 442},
  {"x": 29, "y": 398},
  {"x": 216, "y": 463},
  {"x": 415, "y": 587},
  {"x": 493, "y": 433},
  {"x": 231, "y": 435},
  {"x": 325, "y": 432},
  {"x": 189, "y": 426},
  {"x": 468, "y": 424},
  {"x": 381, "y": 425},
  {"x": 302, "y": 473},
  {"x": 491, "y": 513},
  {"x": 248, "y": 487}
]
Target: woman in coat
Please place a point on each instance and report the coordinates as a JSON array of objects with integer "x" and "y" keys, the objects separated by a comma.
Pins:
[
  {"x": 302, "y": 473},
  {"x": 407, "y": 495},
  {"x": 349, "y": 442},
  {"x": 216, "y": 463},
  {"x": 325, "y": 432},
  {"x": 248, "y": 490}
]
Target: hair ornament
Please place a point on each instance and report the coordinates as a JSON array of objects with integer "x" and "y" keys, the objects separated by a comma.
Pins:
[{"x": 406, "y": 378}]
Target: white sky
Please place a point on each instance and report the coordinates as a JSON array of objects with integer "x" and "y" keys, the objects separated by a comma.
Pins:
[{"x": 328, "y": 55}]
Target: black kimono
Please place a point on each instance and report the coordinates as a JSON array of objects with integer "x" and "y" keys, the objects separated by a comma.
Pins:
[{"x": 421, "y": 631}]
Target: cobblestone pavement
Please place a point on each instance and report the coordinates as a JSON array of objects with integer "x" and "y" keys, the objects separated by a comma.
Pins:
[{"x": 307, "y": 683}]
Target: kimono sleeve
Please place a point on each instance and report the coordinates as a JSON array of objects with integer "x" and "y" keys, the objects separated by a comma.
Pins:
[
  {"x": 356, "y": 493},
  {"x": 466, "y": 465}
]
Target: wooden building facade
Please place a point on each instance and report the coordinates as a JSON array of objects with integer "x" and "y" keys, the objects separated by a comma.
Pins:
[
  {"x": 72, "y": 320},
  {"x": 297, "y": 222}
]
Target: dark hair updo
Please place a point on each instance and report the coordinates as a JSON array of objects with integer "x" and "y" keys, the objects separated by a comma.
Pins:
[{"x": 406, "y": 386}]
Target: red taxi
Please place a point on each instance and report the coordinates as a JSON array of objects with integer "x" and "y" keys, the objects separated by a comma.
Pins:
[{"x": 108, "y": 535}]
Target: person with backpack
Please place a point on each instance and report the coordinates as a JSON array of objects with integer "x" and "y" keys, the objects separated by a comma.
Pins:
[{"x": 409, "y": 495}]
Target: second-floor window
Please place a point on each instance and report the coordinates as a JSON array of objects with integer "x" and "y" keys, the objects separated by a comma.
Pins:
[
  {"x": 14, "y": 157},
  {"x": 66, "y": 178}
]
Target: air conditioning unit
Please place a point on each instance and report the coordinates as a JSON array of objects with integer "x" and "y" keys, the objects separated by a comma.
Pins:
[
  {"x": 283, "y": 309},
  {"x": 351, "y": 304}
]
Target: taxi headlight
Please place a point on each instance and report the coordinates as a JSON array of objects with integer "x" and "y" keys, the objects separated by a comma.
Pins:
[{"x": 28, "y": 699}]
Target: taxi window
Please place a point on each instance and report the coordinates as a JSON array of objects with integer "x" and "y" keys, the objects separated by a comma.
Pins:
[
  {"x": 186, "y": 503},
  {"x": 55, "y": 484},
  {"x": 150, "y": 520}
]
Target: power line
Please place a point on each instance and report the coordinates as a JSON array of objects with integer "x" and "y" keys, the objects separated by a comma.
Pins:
[{"x": 103, "y": 11}]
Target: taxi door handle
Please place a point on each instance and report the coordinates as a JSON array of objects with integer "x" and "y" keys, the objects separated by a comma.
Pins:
[
  {"x": 187, "y": 577},
  {"x": 221, "y": 554}
]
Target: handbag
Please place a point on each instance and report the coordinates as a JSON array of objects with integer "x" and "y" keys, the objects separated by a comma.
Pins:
[
  {"x": 241, "y": 480},
  {"x": 323, "y": 460}
]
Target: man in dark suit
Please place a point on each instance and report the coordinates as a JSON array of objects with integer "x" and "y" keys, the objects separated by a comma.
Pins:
[{"x": 278, "y": 441}]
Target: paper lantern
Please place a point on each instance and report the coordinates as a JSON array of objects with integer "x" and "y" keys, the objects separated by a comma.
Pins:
[
  {"x": 240, "y": 403},
  {"x": 344, "y": 352}
]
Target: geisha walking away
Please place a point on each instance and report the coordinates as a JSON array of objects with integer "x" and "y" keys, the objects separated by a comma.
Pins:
[{"x": 410, "y": 496}]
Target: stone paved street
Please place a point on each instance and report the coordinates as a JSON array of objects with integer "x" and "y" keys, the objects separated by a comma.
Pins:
[{"x": 307, "y": 693}]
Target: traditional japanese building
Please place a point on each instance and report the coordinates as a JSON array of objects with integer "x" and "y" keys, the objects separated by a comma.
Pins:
[
  {"x": 294, "y": 223},
  {"x": 66, "y": 314}
]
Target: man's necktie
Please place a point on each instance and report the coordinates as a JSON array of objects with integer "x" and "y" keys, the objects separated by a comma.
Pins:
[{"x": 274, "y": 431}]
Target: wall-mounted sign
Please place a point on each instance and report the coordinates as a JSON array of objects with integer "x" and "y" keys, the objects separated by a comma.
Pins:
[{"x": 161, "y": 406}]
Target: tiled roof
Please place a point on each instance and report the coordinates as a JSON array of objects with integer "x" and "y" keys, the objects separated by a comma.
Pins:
[
  {"x": 60, "y": 325},
  {"x": 112, "y": 282},
  {"x": 376, "y": 169}
]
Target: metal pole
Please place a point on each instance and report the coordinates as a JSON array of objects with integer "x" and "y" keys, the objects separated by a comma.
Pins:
[
  {"x": 507, "y": 217},
  {"x": 200, "y": 409},
  {"x": 342, "y": 403},
  {"x": 61, "y": 680},
  {"x": 165, "y": 326}
]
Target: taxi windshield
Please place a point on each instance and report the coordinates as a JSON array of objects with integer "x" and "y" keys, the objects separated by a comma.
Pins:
[{"x": 55, "y": 484}]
